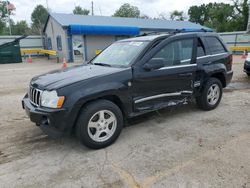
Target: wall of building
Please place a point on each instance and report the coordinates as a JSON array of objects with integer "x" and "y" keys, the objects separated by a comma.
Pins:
[
  {"x": 34, "y": 41},
  {"x": 96, "y": 42},
  {"x": 53, "y": 30}
]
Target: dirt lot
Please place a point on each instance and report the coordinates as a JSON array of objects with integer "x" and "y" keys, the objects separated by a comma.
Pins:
[{"x": 179, "y": 147}]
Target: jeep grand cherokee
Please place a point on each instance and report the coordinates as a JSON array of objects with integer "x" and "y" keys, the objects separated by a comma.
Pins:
[{"x": 130, "y": 77}]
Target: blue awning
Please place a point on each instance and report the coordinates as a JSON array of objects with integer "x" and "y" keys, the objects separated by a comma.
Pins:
[{"x": 102, "y": 30}]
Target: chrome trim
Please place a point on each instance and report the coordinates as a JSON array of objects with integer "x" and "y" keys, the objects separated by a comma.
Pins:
[
  {"x": 185, "y": 60},
  {"x": 35, "y": 96},
  {"x": 214, "y": 55},
  {"x": 162, "y": 95},
  {"x": 178, "y": 66},
  {"x": 187, "y": 92},
  {"x": 190, "y": 65}
]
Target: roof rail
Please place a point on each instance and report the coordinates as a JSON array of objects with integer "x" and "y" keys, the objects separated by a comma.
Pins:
[
  {"x": 184, "y": 30},
  {"x": 189, "y": 30},
  {"x": 150, "y": 33}
]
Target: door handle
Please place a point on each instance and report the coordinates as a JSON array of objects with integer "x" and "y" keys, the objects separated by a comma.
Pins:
[{"x": 186, "y": 74}]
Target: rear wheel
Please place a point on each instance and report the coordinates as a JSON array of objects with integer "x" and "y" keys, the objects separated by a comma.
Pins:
[
  {"x": 211, "y": 95},
  {"x": 99, "y": 124}
]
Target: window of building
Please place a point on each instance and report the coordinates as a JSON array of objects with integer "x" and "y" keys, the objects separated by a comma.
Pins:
[
  {"x": 177, "y": 53},
  {"x": 59, "y": 42},
  {"x": 49, "y": 44}
]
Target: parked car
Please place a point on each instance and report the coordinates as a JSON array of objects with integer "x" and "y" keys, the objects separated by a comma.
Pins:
[
  {"x": 78, "y": 49},
  {"x": 247, "y": 65},
  {"x": 129, "y": 78}
]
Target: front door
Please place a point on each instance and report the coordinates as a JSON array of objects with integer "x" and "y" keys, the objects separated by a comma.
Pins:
[{"x": 171, "y": 84}]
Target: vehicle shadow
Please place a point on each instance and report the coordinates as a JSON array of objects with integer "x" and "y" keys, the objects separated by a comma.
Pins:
[{"x": 37, "y": 142}]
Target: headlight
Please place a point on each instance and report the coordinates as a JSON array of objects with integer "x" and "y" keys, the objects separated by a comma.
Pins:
[{"x": 50, "y": 99}]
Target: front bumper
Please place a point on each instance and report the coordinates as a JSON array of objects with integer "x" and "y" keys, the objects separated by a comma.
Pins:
[{"x": 51, "y": 121}]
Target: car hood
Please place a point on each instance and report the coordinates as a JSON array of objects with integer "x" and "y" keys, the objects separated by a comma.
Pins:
[{"x": 60, "y": 78}]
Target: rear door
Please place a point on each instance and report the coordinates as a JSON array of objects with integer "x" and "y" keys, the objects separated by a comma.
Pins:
[
  {"x": 217, "y": 52},
  {"x": 170, "y": 84}
]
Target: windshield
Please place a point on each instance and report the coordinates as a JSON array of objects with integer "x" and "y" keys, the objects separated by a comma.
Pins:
[{"x": 120, "y": 53}]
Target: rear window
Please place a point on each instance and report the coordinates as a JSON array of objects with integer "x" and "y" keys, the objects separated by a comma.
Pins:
[{"x": 215, "y": 45}]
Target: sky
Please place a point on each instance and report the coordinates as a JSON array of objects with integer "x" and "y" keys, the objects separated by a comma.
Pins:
[{"x": 151, "y": 8}]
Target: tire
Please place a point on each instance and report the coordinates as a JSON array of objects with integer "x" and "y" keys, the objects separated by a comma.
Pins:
[
  {"x": 95, "y": 120},
  {"x": 207, "y": 100}
]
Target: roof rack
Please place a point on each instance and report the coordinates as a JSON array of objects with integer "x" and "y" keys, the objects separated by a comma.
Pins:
[
  {"x": 150, "y": 33},
  {"x": 190, "y": 30},
  {"x": 184, "y": 30}
]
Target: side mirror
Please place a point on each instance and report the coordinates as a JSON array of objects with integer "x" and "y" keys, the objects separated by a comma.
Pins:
[{"x": 154, "y": 64}]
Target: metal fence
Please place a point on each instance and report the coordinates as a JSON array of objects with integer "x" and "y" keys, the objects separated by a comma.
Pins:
[
  {"x": 239, "y": 38},
  {"x": 33, "y": 41}
]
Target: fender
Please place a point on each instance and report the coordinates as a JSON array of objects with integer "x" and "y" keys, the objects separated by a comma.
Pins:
[
  {"x": 93, "y": 89},
  {"x": 208, "y": 71}
]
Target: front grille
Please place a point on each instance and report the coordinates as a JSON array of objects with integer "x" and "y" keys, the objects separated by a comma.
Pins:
[{"x": 35, "y": 96}]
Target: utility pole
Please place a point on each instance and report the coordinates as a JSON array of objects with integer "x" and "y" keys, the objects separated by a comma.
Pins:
[
  {"x": 47, "y": 3},
  {"x": 8, "y": 12},
  {"x": 92, "y": 8},
  {"x": 248, "y": 24}
]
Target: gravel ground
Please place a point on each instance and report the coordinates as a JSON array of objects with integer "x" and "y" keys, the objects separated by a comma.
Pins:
[{"x": 178, "y": 147}]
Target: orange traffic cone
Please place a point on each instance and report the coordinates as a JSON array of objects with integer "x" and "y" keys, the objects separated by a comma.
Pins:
[
  {"x": 29, "y": 60},
  {"x": 244, "y": 55},
  {"x": 65, "y": 65}
]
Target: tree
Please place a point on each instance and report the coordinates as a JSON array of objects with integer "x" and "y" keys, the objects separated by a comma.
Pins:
[
  {"x": 20, "y": 28},
  {"x": 127, "y": 10},
  {"x": 242, "y": 9},
  {"x": 221, "y": 16},
  {"x": 4, "y": 16},
  {"x": 198, "y": 14},
  {"x": 39, "y": 17},
  {"x": 79, "y": 10},
  {"x": 144, "y": 16},
  {"x": 2, "y": 27},
  {"x": 162, "y": 16},
  {"x": 177, "y": 15}
]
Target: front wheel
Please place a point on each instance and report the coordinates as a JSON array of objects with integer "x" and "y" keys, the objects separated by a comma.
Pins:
[
  {"x": 99, "y": 124},
  {"x": 211, "y": 95}
]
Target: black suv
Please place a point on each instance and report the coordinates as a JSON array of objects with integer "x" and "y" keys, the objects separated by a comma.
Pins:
[{"x": 129, "y": 78}]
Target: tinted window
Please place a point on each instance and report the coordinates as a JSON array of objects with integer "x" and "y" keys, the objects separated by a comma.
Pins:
[
  {"x": 177, "y": 53},
  {"x": 200, "y": 49},
  {"x": 215, "y": 45}
]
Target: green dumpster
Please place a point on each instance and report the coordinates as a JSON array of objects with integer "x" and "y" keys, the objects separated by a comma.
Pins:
[{"x": 10, "y": 52}]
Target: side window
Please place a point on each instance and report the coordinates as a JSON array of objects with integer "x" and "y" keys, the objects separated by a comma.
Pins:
[
  {"x": 177, "y": 53},
  {"x": 49, "y": 44},
  {"x": 200, "y": 49},
  {"x": 215, "y": 45},
  {"x": 59, "y": 43}
]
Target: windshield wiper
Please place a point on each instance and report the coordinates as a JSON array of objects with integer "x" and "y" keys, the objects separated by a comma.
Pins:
[{"x": 102, "y": 64}]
